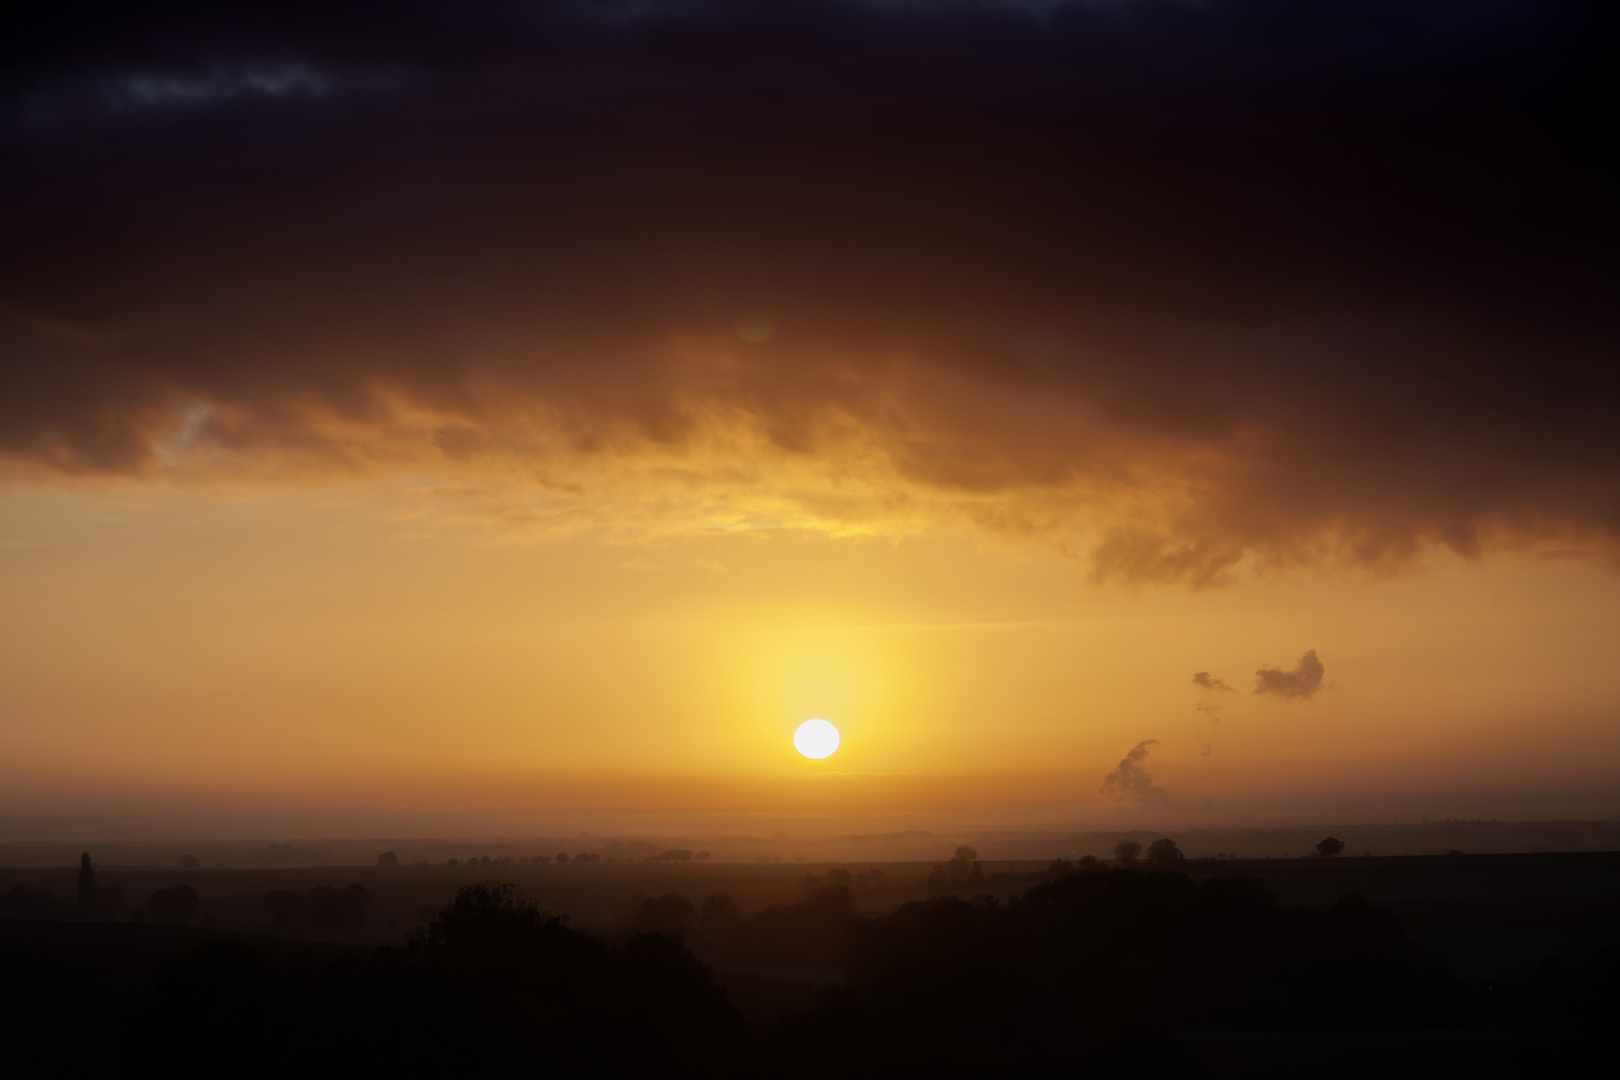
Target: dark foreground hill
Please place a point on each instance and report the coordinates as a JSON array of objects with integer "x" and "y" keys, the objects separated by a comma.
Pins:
[{"x": 1105, "y": 971}]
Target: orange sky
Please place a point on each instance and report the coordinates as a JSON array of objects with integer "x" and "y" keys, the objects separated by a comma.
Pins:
[{"x": 164, "y": 650}]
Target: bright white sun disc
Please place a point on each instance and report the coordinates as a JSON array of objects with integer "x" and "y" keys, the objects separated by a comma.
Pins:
[{"x": 816, "y": 738}]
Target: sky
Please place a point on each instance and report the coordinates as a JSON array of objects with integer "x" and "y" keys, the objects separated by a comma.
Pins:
[{"x": 1114, "y": 411}]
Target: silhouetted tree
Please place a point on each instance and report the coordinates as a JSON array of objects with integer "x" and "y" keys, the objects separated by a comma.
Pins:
[
  {"x": 702, "y": 856},
  {"x": 86, "y": 885},
  {"x": 562, "y": 859},
  {"x": 1330, "y": 847},
  {"x": 284, "y": 908},
  {"x": 679, "y": 855},
  {"x": 1110, "y": 961},
  {"x": 720, "y": 913},
  {"x": 509, "y": 982},
  {"x": 388, "y": 858},
  {"x": 1127, "y": 852},
  {"x": 174, "y": 906},
  {"x": 1163, "y": 854},
  {"x": 189, "y": 862},
  {"x": 671, "y": 913},
  {"x": 339, "y": 909},
  {"x": 963, "y": 869}
]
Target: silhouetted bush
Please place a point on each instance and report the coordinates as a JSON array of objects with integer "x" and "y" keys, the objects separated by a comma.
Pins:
[
  {"x": 1329, "y": 847},
  {"x": 667, "y": 914},
  {"x": 720, "y": 914},
  {"x": 285, "y": 908},
  {"x": 815, "y": 931},
  {"x": 19, "y": 903},
  {"x": 1112, "y": 960},
  {"x": 492, "y": 983},
  {"x": 339, "y": 909},
  {"x": 517, "y": 985},
  {"x": 174, "y": 906}
]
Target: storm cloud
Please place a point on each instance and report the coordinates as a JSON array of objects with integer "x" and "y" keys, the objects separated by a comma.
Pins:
[
  {"x": 1302, "y": 682},
  {"x": 1179, "y": 289}
]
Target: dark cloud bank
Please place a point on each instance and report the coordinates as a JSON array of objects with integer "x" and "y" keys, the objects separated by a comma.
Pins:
[{"x": 1340, "y": 275}]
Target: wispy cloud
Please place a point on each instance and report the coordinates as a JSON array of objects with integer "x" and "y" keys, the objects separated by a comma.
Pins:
[
  {"x": 1302, "y": 682},
  {"x": 1131, "y": 783}
]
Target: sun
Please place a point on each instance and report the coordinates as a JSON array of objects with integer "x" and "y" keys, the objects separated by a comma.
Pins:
[{"x": 816, "y": 739}]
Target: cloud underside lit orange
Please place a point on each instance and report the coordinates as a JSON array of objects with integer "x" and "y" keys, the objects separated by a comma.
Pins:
[{"x": 1143, "y": 476}]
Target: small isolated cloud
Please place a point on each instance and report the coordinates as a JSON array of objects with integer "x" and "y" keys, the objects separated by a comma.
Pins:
[
  {"x": 1132, "y": 783},
  {"x": 1303, "y": 682},
  {"x": 1202, "y": 678}
]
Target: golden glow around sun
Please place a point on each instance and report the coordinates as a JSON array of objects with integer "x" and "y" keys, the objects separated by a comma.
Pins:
[{"x": 816, "y": 739}]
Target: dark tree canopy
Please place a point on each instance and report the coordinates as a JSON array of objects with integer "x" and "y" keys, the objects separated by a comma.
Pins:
[
  {"x": 1165, "y": 855},
  {"x": 670, "y": 913}
]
